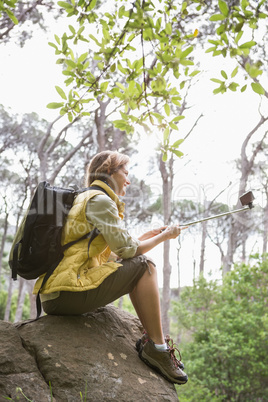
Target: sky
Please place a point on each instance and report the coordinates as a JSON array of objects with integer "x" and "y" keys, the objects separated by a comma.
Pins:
[{"x": 28, "y": 77}]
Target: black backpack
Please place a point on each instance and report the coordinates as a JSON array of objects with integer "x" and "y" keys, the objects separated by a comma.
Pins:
[{"x": 37, "y": 248}]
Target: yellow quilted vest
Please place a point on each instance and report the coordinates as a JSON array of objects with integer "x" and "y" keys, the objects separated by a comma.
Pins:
[{"x": 79, "y": 270}]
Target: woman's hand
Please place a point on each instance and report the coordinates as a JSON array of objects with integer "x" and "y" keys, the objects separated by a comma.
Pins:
[
  {"x": 172, "y": 232},
  {"x": 151, "y": 239}
]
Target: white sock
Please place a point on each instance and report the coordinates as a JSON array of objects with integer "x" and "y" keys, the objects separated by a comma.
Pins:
[{"x": 161, "y": 346}]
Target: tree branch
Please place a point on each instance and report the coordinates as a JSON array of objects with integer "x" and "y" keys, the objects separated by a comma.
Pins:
[{"x": 68, "y": 157}]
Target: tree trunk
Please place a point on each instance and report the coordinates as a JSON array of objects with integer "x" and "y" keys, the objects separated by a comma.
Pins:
[
  {"x": 265, "y": 231},
  {"x": 166, "y": 170},
  {"x": 244, "y": 241},
  {"x": 32, "y": 298},
  {"x": 228, "y": 257},
  {"x": 9, "y": 298},
  {"x": 3, "y": 241},
  {"x": 20, "y": 302},
  {"x": 203, "y": 247},
  {"x": 265, "y": 223},
  {"x": 100, "y": 117},
  {"x": 247, "y": 164}
]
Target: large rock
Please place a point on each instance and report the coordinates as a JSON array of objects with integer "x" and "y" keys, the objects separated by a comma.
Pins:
[{"x": 90, "y": 357}]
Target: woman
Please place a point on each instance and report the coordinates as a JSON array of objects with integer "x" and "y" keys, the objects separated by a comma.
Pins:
[{"x": 87, "y": 279}]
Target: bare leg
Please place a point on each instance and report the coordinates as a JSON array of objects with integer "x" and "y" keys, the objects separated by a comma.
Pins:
[{"x": 146, "y": 301}]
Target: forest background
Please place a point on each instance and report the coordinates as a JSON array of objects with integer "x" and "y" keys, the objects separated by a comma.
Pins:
[{"x": 182, "y": 88}]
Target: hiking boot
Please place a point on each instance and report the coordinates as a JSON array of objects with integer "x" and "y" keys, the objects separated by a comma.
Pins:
[
  {"x": 140, "y": 343},
  {"x": 164, "y": 362}
]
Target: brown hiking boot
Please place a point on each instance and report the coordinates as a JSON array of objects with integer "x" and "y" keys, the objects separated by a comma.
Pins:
[
  {"x": 140, "y": 343},
  {"x": 165, "y": 362}
]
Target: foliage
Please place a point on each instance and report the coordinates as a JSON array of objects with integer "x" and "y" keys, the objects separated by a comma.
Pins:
[
  {"x": 135, "y": 54},
  {"x": 142, "y": 54},
  {"x": 14, "y": 301},
  {"x": 6, "y": 7},
  {"x": 17, "y": 14},
  {"x": 232, "y": 24},
  {"x": 126, "y": 305},
  {"x": 3, "y": 301},
  {"x": 227, "y": 357}
]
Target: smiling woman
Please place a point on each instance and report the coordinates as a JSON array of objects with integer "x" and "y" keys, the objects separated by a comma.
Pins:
[
  {"x": 115, "y": 264},
  {"x": 111, "y": 167}
]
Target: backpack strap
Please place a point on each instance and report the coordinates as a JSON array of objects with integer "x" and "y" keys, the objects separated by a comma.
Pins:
[
  {"x": 15, "y": 260},
  {"x": 90, "y": 235}
]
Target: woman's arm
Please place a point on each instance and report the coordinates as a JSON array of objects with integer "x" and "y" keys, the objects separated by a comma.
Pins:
[
  {"x": 151, "y": 239},
  {"x": 152, "y": 233}
]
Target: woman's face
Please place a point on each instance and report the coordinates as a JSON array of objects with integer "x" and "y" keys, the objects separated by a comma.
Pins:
[{"x": 120, "y": 181}]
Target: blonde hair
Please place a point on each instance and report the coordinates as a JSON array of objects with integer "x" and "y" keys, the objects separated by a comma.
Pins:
[{"x": 104, "y": 164}]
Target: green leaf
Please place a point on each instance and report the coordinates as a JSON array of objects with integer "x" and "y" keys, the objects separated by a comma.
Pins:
[
  {"x": 167, "y": 109},
  {"x": 65, "y": 5},
  {"x": 173, "y": 126},
  {"x": 258, "y": 88},
  {"x": 177, "y": 143},
  {"x": 183, "y": 6},
  {"x": 57, "y": 39},
  {"x": 178, "y": 153},
  {"x": 68, "y": 81},
  {"x": 104, "y": 85},
  {"x": 223, "y": 8},
  {"x": 70, "y": 63},
  {"x": 121, "y": 86},
  {"x": 233, "y": 86},
  {"x": 234, "y": 72},
  {"x": 166, "y": 134},
  {"x": 158, "y": 116},
  {"x": 247, "y": 45},
  {"x": 61, "y": 92},
  {"x": 216, "y": 80},
  {"x": 91, "y": 4},
  {"x": 186, "y": 52},
  {"x": 54, "y": 105},
  {"x": 168, "y": 28},
  {"x": 210, "y": 49},
  {"x": 238, "y": 36},
  {"x": 176, "y": 100},
  {"x": 11, "y": 16},
  {"x": 244, "y": 88},
  {"x": 95, "y": 39},
  {"x": 82, "y": 57},
  {"x": 113, "y": 67},
  {"x": 53, "y": 45},
  {"x": 244, "y": 4},
  {"x": 223, "y": 73},
  {"x": 217, "y": 17},
  {"x": 178, "y": 118},
  {"x": 72, "y": 29},
  {"x": 194, "y": 73},
  {"x": 185, "y": 62},
  {"x": 164, "y": 156}
]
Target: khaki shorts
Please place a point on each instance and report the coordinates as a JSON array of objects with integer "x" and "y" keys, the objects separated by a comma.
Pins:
[{"x": 119, "y": 283}]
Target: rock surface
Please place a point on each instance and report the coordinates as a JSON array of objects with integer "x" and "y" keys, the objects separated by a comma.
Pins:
[{"x": 78, "y": 358}]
